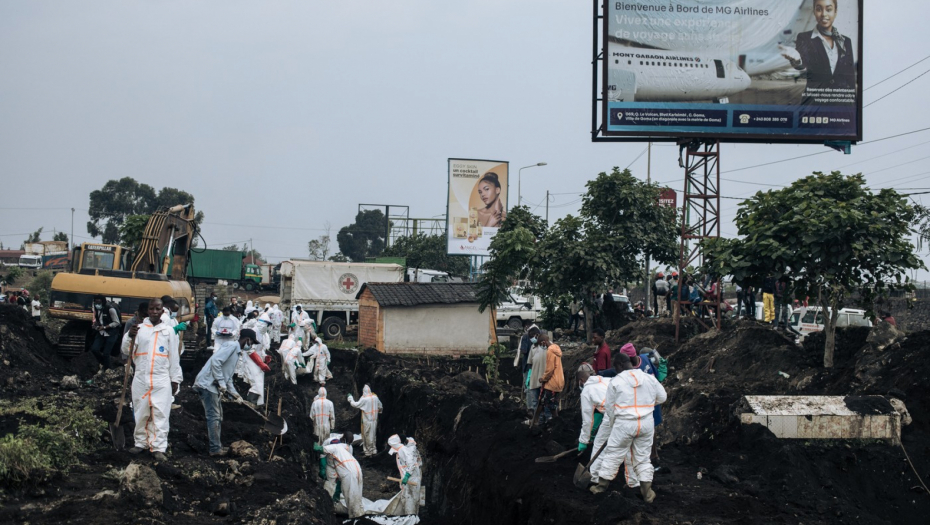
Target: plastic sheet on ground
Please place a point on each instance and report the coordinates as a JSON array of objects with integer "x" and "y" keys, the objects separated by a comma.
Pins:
[{"x": 374, "y": 511}]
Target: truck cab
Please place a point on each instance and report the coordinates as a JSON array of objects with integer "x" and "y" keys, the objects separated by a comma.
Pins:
[{"x": 33, "y": 262}]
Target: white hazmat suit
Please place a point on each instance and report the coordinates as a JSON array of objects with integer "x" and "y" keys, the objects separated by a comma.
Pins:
[
  {"x": 277, "y": 318},
  {"x": 290, "y": 358},
  {"x": 593, "y": 400},
  {"x": 631, "y": 398},
  {"x": 302, "y": 325},
  {"x": 320, "y": 353},
  {"x": 350, "y": 474},
  {"x": 323, "y": 414},
  {"x": 157, "y": 365},
  {"x": 370, "y": 406},
  {"x": 408, "y": 467}
]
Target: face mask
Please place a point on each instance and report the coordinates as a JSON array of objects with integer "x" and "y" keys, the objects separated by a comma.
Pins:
[
  {"x": 174, "y": 315},
  {"x": 247, "y": 347},
  {"x": 98, "y": 306},
  {"x": 534, "y": 340}
]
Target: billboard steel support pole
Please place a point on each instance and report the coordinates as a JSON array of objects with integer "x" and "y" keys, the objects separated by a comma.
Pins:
[{"x": 702, "y": 193}]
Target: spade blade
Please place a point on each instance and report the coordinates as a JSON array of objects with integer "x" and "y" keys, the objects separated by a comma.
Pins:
[
  {"x": 582, "y": 476},
  {"x": 117, "y": 436}
]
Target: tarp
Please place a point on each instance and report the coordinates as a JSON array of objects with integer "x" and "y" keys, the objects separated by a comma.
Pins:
[{"x": 335, "y": 282}]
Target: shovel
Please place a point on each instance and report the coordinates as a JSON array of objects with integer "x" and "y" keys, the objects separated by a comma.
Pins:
[
  {"x": 583, "y": 473},
  {"x": 536, "y": 414},
  {"x": 553, "y": 459},
  {"x": 274, "y": 424},
  {"x": 400, "y": 480},
  {"x": 116, "y": 432}
]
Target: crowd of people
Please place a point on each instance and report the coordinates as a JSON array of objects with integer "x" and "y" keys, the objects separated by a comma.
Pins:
[
  {"x": 242, "y": 340},
  {"x": 621, "y": 395}
]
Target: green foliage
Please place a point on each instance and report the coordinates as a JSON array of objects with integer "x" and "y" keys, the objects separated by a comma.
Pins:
[
  {"x": 35, "y": 236},
  {"x": 338, "y": 257},
  {"x": 41, "y": 284},
  {"x": 60, "y": 236},
  {"x": 492, "y": 362},
  {"x": 830, "y": 234},
  {"x": 319, "y": 248},
  {"x": 111, "y": 205},
  {"x": 511, "y": 251},
  {"x": 13, "y": 273},
  {"x": 428, "y": 252},
  {"x": 244, "y": 249},
  {"x": 522, "y": 217},
  {"x": 38, "y": 450},
  {"x": 132, "y": 230},
  {"x": 365, "y": 237}
]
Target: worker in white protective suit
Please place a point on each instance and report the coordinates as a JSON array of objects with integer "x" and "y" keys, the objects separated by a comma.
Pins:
[
  {"x": 323, "y": 415},
  {"x": 370, "y": 406},
  {"x": 349, "y": 473},
  {"x": 264, "y": 321},
  {"x": 169, "y": 316},
  {"x": 322, "y": 357},
  {"x": 631, "y": 398},
  {"x": 157, "y": 379},
  {"x": 301, "y": 325},
  {"x": 290, "y": 358},
  {"x": 410, "y": 477},
  {"x": 277, "y": 318},
  {"x": 249, "y": 308},
  {"x": 225, "y": 327},
  {"x": 593, "y": 406},
  {"x": 253, "y": 363}
]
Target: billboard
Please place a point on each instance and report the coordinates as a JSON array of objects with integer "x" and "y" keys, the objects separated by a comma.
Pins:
[
  {"x": 477, "y": 204},
  {"x": 750, "y": 70}
]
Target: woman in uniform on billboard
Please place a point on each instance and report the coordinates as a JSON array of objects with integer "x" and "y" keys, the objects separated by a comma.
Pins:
[
  {"x": 826, "y": 57},
  {"x": 489, "y": 191}
]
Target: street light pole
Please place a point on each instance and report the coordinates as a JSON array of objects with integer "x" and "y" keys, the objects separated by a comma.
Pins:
[
  {"x": 72, "y": 230},
  {"x": 519, "y": 180}
]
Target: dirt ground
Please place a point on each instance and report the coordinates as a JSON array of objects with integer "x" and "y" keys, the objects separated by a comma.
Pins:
[{"x": 479, "y": 455}]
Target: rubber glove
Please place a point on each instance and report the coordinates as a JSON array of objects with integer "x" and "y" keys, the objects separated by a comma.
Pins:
[
  {"x": 292, "y": 325},
  {"x": 222, "y": 390},
  {"x": 582, "y": 447},
  {"x": 527, "y": 384},
  {"x": 351, "y": 399},
  {"x": 267, "y": 359},
  {"x": 662, "y": 371},
  {"x": 323, "y": 467},
  {"x": 180, "y": 327},
  {"x": 598, "y": 417},
  {"x": 317, "y": 448},
  {"x": 338, "y": 491},
  {"x": 406, "y": 477}
]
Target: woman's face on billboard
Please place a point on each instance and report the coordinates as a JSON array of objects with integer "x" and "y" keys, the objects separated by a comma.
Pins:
[
  {"x": 488, "y": 192},
  {"x": 825, "y": 13}
]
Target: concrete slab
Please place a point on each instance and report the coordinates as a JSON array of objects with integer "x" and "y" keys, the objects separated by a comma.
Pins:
[{"x": 824, "y": 417}]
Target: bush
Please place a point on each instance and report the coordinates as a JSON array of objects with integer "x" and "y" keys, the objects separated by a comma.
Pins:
[
  {"x": 52, "y": 445},
  {"x": 14, "y": 273},
  {"x": 41, "y": 284}
]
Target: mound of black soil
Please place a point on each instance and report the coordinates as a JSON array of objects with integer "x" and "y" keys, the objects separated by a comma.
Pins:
[{"x": 28, "y": 363}]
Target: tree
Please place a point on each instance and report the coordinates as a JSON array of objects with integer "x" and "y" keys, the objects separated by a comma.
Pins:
[
  {"x": 119, "y": 199},
  {"x": 512, "y": 249},
  {"x": 35, "y": 236},
  {"x": 365, "y": 237},
  {"x": 132, "y": 229},
  {"x": 830, "y": 234},
  {"x": 60, "y": 236},
  {"x": 338, "y": 257},
  {"x": 319, "y": 248},
  {"x": 428, "y": 252},
  {"x": 256, "y": 255}
]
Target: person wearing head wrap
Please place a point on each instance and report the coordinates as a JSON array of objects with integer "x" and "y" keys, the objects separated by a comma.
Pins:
[
  {"x": 410, "y": 477},
  {"x": 323, "y": 415},
  {"x": 370, "y": 406}
]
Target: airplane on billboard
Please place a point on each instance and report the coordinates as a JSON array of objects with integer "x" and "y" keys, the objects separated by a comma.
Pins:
[{"x": 658, "y": 75}]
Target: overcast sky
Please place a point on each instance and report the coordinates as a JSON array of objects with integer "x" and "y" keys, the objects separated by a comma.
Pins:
[{"x": 281, "y": 116}]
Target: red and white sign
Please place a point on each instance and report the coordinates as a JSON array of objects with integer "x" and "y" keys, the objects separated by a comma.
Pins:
[{"x": 668, "y": 198}]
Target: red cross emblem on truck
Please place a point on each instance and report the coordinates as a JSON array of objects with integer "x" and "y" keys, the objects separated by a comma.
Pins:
[{"x": 348, "y": 283}]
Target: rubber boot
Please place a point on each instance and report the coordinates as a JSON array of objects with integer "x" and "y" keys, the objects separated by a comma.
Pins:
[
  {"x": 600, "y": 487},
  {"x": 252, "y": 397},
  {"x": 645, "y": 488}
]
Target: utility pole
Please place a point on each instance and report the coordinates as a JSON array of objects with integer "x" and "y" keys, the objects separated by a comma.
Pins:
[
  {"x": 648, "y": 181},
  {"x": 547, "y": 208},
  {"x": 72, "y": 230},
  {"x": 252, "y": 249}
]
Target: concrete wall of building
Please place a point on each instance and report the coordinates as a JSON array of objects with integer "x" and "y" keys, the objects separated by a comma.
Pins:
[{"x": 436, "y": 330}]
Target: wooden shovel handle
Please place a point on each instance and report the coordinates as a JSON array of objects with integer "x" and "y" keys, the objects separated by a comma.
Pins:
[
  {"x": 400, "y": 480},
  {"x": 597, "y": 454},
  {"x": 128, "y": 367}
]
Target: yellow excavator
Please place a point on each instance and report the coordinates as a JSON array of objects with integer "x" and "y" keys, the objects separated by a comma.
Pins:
[{"x": 159, "y": 268}]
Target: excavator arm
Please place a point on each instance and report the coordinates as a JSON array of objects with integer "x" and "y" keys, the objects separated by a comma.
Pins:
[{"x": 166, "y": 243}]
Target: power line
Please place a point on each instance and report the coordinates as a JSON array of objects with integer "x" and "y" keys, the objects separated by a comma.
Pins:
[
  {"x": 637, "y": 158},
  {"x": 896, "y": 74},
  {"x": 896, "y": 90}
]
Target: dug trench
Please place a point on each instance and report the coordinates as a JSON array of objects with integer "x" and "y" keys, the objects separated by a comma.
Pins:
[{"x": 479, "y": 455}]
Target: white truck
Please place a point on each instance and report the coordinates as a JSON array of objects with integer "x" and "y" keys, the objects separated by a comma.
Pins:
[
  {"x": 518, "y": 309},
  {"x": 326, "y": 290},
  {"x": 805, "y": 321},
  {"x": 418, "y": 275}
]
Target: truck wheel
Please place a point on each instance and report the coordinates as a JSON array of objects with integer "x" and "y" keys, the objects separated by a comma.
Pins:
[
  {"x": 249, "y": 286},
  {"x": 235, "y": 286},
  {"x": 333, "y": 327},
  {"x": 515, "y": 323}
]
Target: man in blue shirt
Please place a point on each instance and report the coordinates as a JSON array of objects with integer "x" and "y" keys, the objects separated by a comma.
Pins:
[{"x": 216, "y": 379}]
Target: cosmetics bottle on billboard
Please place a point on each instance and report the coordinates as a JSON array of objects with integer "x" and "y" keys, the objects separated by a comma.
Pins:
[{"x": 473, "y": 222}]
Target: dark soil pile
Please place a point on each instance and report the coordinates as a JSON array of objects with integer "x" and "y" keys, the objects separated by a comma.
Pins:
[{"x": 28, "y": 363}]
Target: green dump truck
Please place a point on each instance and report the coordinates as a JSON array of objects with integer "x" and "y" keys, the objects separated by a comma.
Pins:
[{"x": 210, "y": 266}]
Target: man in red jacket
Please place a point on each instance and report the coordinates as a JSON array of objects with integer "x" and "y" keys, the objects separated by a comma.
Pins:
[{"x": 602, "y": 353}]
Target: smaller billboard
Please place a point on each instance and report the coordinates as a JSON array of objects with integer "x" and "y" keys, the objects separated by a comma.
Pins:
[{"x": 476, "y": 206}]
